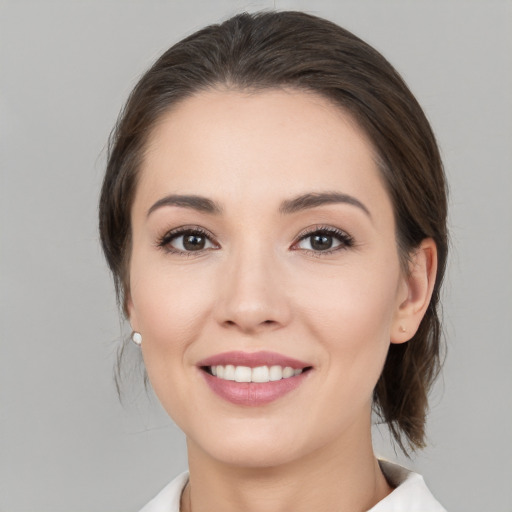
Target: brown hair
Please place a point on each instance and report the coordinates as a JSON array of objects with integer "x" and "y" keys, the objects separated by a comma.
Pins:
[{"x": 297, "y": 50}]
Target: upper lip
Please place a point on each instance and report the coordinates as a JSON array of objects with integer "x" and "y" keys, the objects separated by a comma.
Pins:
[{"x": 253, "y": 359}]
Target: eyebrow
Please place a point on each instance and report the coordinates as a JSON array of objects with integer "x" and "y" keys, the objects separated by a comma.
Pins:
[
  {"x": 312, "y": 200},
  {"x": 198, "y": 203},
  {"x": 289, "y": 206}
]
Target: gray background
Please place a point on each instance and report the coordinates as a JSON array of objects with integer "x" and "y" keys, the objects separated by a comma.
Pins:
[{"x": 65, "y": 68}]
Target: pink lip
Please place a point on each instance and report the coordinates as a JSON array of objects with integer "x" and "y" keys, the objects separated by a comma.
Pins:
[
  {"x": 252, "y": 393},
  {"x": 252, "y": 360}
]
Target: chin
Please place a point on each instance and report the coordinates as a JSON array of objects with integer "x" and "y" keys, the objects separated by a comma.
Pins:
[
  {"x": 249, "y": 447},
  {"x": 254, "y": 456}
]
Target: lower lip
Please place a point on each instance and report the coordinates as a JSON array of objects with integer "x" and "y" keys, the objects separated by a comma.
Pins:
[{"x": 252, "y": 393}]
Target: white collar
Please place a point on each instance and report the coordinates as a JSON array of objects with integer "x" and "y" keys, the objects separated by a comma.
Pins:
[{"x": 411, "y": 494}]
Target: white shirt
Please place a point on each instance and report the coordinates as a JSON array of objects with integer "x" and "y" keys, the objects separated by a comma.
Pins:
[{"x": 410, "y": 494}]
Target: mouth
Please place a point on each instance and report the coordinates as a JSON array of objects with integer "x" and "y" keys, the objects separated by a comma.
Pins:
[{"x": 253, "y": 378}]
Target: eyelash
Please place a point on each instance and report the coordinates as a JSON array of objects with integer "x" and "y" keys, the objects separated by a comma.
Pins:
[
  {"x": 164, "y": 242},
  {"x": 346, "y": 240}
]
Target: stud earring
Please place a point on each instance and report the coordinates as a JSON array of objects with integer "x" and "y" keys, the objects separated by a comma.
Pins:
[
  {"x": 137, "y": 338},
  {"x": 402, "y": 329}
]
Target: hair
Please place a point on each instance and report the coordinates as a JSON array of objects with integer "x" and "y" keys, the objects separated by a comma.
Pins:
[{"x": 269, "y": 50}]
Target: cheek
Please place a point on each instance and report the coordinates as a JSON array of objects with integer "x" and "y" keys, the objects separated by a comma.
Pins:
[
  {"x": 356, "y": 298},
  {"x": 170, "y": 309},
  {"x": 168, "y": 302},
  {"x": 351, "y": 314}
]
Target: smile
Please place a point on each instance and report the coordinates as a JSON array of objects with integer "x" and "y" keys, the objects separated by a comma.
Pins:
[
  {"x": 253, "y": 379},
  {"x": 259, "y": 374}
]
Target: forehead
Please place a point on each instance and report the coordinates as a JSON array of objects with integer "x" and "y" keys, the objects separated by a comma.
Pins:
[{"x": 245, "y": 146}]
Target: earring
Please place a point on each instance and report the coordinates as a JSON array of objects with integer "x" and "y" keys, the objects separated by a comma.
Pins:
[
  {"x": 402, "y": 329},
  {"x": 137, "y": 338}
]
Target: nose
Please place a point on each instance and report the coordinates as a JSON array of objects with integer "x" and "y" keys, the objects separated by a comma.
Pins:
[{"x": 252, "y": 295}]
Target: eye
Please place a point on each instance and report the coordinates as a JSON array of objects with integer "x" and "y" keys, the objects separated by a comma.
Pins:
[
  {"x": 324, "y": 240},
  {"x": 186, "y": 240}
]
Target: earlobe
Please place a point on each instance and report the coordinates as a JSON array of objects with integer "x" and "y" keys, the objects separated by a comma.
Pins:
[{"x": 419, "y": 285}]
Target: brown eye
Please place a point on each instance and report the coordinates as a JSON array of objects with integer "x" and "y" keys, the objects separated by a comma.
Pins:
[
  {"x": 325, "y": 240},
  {"x": 193, "y": 242},
  {"x": 189, "y": 240},
  {"x": 321, "y": 242}
]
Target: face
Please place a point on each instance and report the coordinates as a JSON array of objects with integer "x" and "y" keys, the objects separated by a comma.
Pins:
[{"x": 264, "y": 251}]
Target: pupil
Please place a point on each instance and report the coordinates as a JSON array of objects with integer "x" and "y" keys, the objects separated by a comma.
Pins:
[
  {"x": 193, "y": 242},
  {"x": 321, "y": 242}
]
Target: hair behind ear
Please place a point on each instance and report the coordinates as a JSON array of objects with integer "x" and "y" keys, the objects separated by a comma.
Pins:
[{"x": 413, "y": 362}]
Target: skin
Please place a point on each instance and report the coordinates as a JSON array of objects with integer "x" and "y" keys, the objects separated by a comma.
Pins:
[{"x": 259, "y": 284}]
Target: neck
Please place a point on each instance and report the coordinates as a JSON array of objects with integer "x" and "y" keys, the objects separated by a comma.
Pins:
[{"x": 344, "y": 477}]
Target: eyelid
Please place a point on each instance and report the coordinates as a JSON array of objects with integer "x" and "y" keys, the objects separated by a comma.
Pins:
[
  {"x": 163, "y": 242},
  {"x": 345, "y": 239}
]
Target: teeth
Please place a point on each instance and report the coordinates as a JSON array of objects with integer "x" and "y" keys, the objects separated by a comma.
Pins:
[
  {"x": 258, "y": 374},
  {"x": 243, "y": 374},
  {"x": 287, "y": 372},
  {"x": 229, "y": 372},
  {"x": 276, "y": 373}
]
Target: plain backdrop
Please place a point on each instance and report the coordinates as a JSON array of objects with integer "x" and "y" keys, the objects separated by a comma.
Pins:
[{"x": 66, "y": 444}]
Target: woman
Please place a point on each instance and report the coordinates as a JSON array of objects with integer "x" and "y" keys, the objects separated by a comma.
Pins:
[{"x": 274, "y": 215}]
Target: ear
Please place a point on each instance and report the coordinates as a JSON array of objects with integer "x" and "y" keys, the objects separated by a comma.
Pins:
[{"x": 417, "y": 291}]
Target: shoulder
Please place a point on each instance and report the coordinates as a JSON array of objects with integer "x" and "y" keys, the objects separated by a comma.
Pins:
[
  {"x": 411, "y": 494},
  {"x": 168, "y": 499}
]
